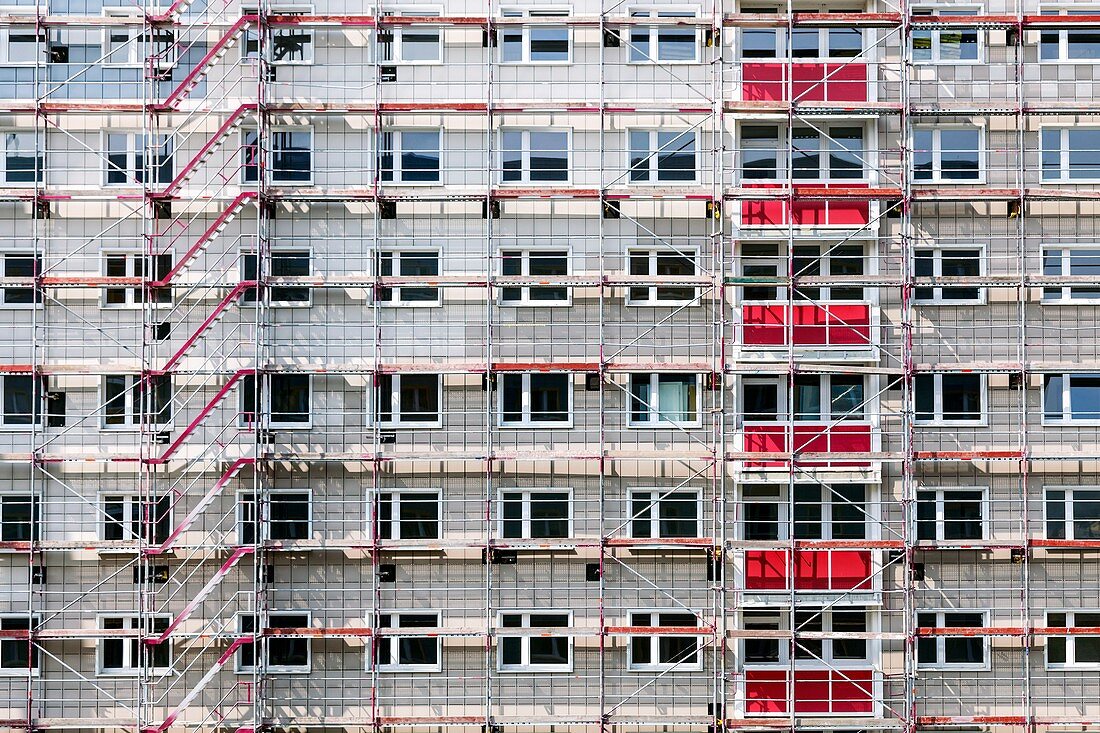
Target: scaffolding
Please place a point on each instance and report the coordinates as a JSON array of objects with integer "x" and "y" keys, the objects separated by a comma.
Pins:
[{"x": 484, "y": 366}]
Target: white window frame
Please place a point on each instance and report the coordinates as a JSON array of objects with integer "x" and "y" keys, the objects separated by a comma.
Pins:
[
  {"x": 395, "y": 256},
  {"x": 135, "y": 56},
  {"x": 827, "y": 254},
  {"x": 293, "y": 9},
  {"x": 131, "y": 169},
  {"x": 520, "y": 12},
  {"x": 1067, "y": 509},
  {"x": 654, "y": 641},
  {"x": 1065, "y": 268},
  {"x": 129, "y": 394},
  {"x": 653, "y": 409},
  {"x": 1066, "y": 400},
  {"x": 239, "y": 668},
  {"x": 653, "y": 150},
  {"x": 1064, "y": 153},
  {"x": 525, "y": 267},
  {"x": 7, "y": 33},
  {"x": 276, "y": 251},
  {"x": 937, "y": 154},
  {"x": 659, "y": 11},
  {"x": 394, "y": 665},
  {"x": 129, "y": 500},
  {"x": 398, "y": 32},
  {"x": 867, "y": 157},
  {"x": 825, "y": 401},
  {"x": 132, "y": 667},
  {"x": 526, "y": 421},
  {"x": 38, "y": 154},
  {"x": 785, "y": 622},
  {"x": 395, "y": 403},
  {"x": 656, "y": 496},
  {"x": 652, "y": 254},
  {"x": 36, "y": 295},
  {"x": 34, "y": 621},
  {"x": 938, "y": 298},
  {"x": 395, "y": 512},
  {"x": 271, "y": 172},
  {"x": 1063, "y": 33},
  {"x": 828, "y": 500},
  {"x": 398, "y": 173},
  {"x": 942, "y": 496},
  {"x": 35, "y": 504},
  {"x": 1071, "y": 641},
  {"x": 133, "y": 256},
  {"x": 938, "y": 420},
  {"x": 525, "y": 156},
  {"x": 35, "y": 417},
  {"x": 263, "y": 525},
  {"x": 941, "y": 661},
  {"x": 528, "y": 495},
  {"x": 525, "y": 641},
  {"x": 944, "y": 8},
  {"x": 782, "y": 408},
  {"x": 264, "y": 406}
]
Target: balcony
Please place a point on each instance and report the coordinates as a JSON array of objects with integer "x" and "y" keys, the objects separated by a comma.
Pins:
[
  {"x": 768, "y": 81},
  {"x": 826, "y": 571},
  {"x": 816, "y": 692}
]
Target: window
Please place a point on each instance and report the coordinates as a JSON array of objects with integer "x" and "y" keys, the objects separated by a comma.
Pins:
[
  {"x": 284, "y": 653},
  {"x": 129, "y": 518},
  {"x": 947, "y": 154},
  {"x": 761, "y": 262},
  {"x": 282, "y": 263},
  {"x": 1073, "y": 650},
  {"x": 1072, "y": 44},
  {"x": 409, "y": 515},
  {"x": 122, "y": 44},
  {"x": 411, "y": 44},
  {"x": 289, "y": 514},
  {"x": 289, "y": 403},
  {"x": 663, "y": 43},
  {"x": 24, "y": 161},
  {"x": 806, "y": 43},
  {"x": 824, "y": 153},
  {"x": 125, "y": 656},
  {"x": 818, "y": 260},
  {"x": 665, "y": 399},
  {"x": 662, "y": 263},
  {"x": 416, "y": 264},
  {"x": 828, "y": 397},
  {"x": 291, "y": 44},
  {"x": 18, "y": 655},
  {"x": 811, "y": 651},
  {"x": 664, "y": 514},
  {"x": 1071, "y": 397},
  {"x": 19, "y": 45},
  {"x": 250, "y": 41},
  {"x": 409, "y": 156},
  {"x": 22, "y": 400},
  {"x": 1069, "y": 261},
  {"x": 408, "y": 653},
  {"x": 760, "y": 401},
  {"x": 659, "y": 156},
  {"x": 1071, "y": 153},
  {"x": 762, "y": 43},
  {"x": 135, "y": 265},
  {"x": 409, "y": 399},
  {"x": 543, "y": 653},
  {"x": 19, "y": 518},
  {"x": 951, "y": 651},
  {"x": 947, "y": 262},
  {"x": 534, "y": 156},
  {"x": 949, "y": 45},
  {"x": 534, "y": 263},
  {"x": 946, "y": 515},
  {"x": 534, "y": 44},
  {"x": 130, "y": 400},
  {"x": 535, "y": 513},
  {"x": 536, "y": 399},
  {"x": 21, "y": 265},
  {"x": 1073, "y": 514},
  {"x": 291, "y": 159},
  {"x": 821, "y": 512},
  {"x": 665, "y": 651},
  {"x": 949, "y": 398},
  {"x": 127, "y": 154}
]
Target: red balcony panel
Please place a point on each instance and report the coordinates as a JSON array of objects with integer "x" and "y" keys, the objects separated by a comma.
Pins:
[
  {"x": 833, "y": 324},
  {"x": 808, "y": 438},
  {"x": 823, "y": 570},
  {"x": 767, "y": 82},
  {"x": 806, "y": 213},
  {"x": 816, "y": 691}
]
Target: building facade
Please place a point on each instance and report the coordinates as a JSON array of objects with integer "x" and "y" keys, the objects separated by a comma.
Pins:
[{"x": 529, "y": 367}]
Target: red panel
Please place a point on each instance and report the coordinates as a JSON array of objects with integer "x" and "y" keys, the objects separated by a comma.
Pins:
[
  {"x": 814, "y": 325},
  {"x": 765, "y": 692},
  {"x": 853, "y": 692},
  {"x": 766, "y": 82},
  {"x": 765, "y": 569},
  {"x": 816, "y": 691},
  {"x": 851, "y": 569},
  {"x": 762, "y": 82},
  {"x": 763, "y": 325},
  {"x": 806, "y": 213},
  {"x": 849, "y": 324},
  {"x": 811, "y": 691}
]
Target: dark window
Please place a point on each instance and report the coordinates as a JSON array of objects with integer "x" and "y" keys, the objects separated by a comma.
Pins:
[
  {"x": 18, "y": 265},
  {"x": 19, "y": 518},
  {"x": 761, "y": 402},
  {"x": 415, "y": 516},
  {"x": 414, "y": 397},
  {"x": 18, "y": 653},
  {"x": 535, "y": 515},
  {"x": 283, "y": 263},
  {"x": 21, "y": 397},
  {"x": 410, "y": 651},
  {"x": 663, "y": 514}
]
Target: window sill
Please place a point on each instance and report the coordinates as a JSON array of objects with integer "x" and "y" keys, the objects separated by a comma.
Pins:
[
  {"x": 941, "y": 303},
  {"x": 564, "y": 668},
  {"x": 410, "y": 304},
  {"x": 410, "y": 425},
  {"x": 669, "y": 668},
  {"x": 664, "y": 303},
  {"x": 982, "y": 423},
  {"x": 534, "y": 303},
  {"x": 566, "y": 425},
  {"x": 408, "y": 668}
]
